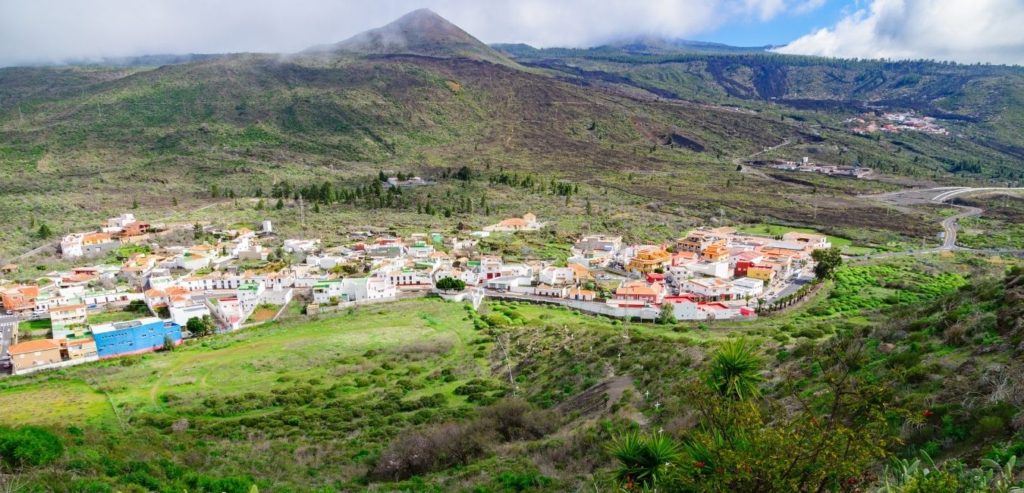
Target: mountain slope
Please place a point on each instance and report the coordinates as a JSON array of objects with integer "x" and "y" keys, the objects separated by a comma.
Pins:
[{"x": 420, "y": 32}]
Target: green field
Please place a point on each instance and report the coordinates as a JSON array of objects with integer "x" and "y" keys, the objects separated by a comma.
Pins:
[
  {"x": 316, "y": 403},
  {"x": 114, "y": 316}
]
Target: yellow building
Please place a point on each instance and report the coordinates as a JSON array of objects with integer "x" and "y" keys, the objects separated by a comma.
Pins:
[
  {"x": 649, "y": 259},
  {"x": 34, "y": 354},
  {"x": 716, "y": 252},
  {"x": 761, "y": 272}
]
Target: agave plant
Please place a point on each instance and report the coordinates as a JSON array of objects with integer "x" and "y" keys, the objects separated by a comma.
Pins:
[
  {"x": 1004, "y": 480},
  {"x": 735, "y": 370},
  {"x": 644, "y": 460}
]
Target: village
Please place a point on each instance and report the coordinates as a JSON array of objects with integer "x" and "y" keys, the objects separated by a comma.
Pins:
[
  {"x": 805, "y": 165},
  {"x": 894, "y": 122},
  {"x": 157, "y": 293}
]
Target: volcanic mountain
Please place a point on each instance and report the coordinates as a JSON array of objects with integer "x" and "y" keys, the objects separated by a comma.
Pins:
[{"x": 420, "y": 32}]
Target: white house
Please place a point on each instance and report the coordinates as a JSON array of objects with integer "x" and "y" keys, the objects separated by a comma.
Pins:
[
  {"x": 191, "y": 261},
  {"x": 556, "y": 276},
  {"x": 745, "y": 287},
  {"x": 327, "y": 292},
  {"x": 71, "y": 246},
  {"x": 278, "y": 295},
  {"x": 182, "y": 314},
  {"x": 249, "y": 295},
  {"x": 708, "y": 288},
  {"x": 64, "y": 319},
  {"x": 227, "y": 311},
  {"x": 301, "y": 245},
  {"x": 367, "y": 288},
  {"x": 720, "y": 270},
  {"x": 420, "y": 249},
  {"x": 508, "y": 283}
]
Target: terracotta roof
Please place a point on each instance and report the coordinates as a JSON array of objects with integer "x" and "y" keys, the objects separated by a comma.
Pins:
[
  {"x": 637, "y": 288},
  {"x": 580, "y": 271},
  {"x": 96, "y": 237},
  {"x": 66, "y": 308},
  {"x": 78, "y": 277},
  {"x": 27, "y": 291},
  {"x": 33, "y": 346}
]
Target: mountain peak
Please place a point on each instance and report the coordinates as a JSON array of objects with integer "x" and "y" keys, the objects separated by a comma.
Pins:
[{"x": 420, "y": 32}]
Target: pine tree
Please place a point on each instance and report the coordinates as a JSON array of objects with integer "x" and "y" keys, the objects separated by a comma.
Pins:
[
  {"x": 280, "y": 204},
  {"x": 44, "y": 231}
]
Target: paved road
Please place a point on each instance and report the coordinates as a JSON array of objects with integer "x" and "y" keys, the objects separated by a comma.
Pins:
[
  {"x": 791, "y": 288},
  {"x": 951, "y": 226},
  {"x": 939, "y": 195},
  {"x": 8, "y": 324}
]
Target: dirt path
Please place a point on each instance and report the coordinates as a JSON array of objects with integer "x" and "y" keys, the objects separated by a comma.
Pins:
[
  {"x": 56, "y": 243},
  {"x": 753, "y": 171}
]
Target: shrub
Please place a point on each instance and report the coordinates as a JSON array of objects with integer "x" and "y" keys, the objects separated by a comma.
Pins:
[
  {"x": 522, "y": 481},
  {"x": 990, "y": 426},
  {"x": 451, "y": 444},
  {"x": 29, "y": 446},
  {"x": 439, "y": 447},
  {"x": 451, "y": 284},
  {"x": 514, "y": 419},
  {"x": 497, "y": 319},
  {"x": 89, "y": 486}
]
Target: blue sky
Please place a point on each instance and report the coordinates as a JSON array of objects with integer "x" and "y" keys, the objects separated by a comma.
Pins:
[
  {"x": 48, "y": 31},
  {"x": 779, "y": 30}
]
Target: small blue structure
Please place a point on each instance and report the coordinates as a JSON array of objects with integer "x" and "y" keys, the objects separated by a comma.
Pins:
[{"x": 134, "y": 337}]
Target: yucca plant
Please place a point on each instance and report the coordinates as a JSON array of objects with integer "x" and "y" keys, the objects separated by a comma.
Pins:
[
  {"x": 735, "y": 370},
  {"x": 644, "y": 460}
]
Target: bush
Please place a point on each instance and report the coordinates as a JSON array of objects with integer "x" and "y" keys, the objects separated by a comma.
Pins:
[
  {"x": 522, "y": 481},
  {"x": 450, "y": 284},
  {"x": 29, "y": 446},
  {"x": 990, "y": 426},
  {"x": 439, "y": 447},
  {"x": 497, "y": 320},
  {"x": 451, "y": 444}
]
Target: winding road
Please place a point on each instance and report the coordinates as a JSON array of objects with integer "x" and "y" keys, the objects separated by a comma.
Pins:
[{"x": 951, "y": 224}]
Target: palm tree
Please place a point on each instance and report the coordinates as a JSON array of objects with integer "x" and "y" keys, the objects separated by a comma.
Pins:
[{"x": 735, "y": 370}]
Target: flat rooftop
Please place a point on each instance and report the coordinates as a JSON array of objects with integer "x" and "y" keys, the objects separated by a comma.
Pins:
[{"x": 110, "y": 327}]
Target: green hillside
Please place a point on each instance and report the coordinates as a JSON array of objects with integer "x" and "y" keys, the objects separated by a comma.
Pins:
[{"x": 339, "y": 403}]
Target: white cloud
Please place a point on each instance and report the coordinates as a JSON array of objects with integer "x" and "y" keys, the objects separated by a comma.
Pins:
[
  {"x": 55, "y": 30},
  {"x": 959, "y": 30},
  {"x": 808, "y": 6}
]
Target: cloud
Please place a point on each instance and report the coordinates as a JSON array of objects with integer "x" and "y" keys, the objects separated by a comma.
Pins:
[
  {"x": 958, "y": 30},
  {"x": 34, "y": 31}
]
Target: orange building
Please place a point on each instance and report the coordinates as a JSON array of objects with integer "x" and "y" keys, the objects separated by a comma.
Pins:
[
  {"x": 648, "y": 259},
  {"x": 639, "y": 291},
  {"x": 19, "y": 299},
  {"x": 34, "y": 354},
  {"x": 716, "y": 252}
]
